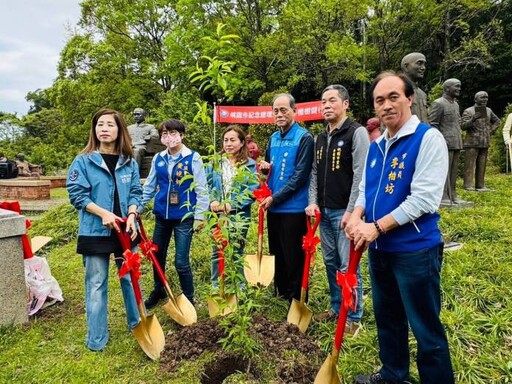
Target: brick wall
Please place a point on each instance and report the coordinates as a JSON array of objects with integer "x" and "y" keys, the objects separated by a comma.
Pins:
[{"x": 30, "y": 189}]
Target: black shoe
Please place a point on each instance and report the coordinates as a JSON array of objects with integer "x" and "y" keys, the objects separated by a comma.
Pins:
[
  {"x": 374, "y": 378},
  {"x": 154, "y": 298}
]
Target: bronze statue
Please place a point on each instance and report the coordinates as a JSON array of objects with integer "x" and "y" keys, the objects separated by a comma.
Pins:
[
  {"x": 413, "y": 65},
  {"x": 480, "y": 123},
  {"x": 445, "y": 116},
  {"x": 141, "y": 133}
]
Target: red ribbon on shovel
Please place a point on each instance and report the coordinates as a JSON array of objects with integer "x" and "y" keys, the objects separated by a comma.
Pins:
[
  {"x": 310, "y": 240},
  {"x": 131, "y": 263},
  {"x": 348, "y": 283},
  {"x": 147, "y": 246},
  {"x": 263, "y": 191}
]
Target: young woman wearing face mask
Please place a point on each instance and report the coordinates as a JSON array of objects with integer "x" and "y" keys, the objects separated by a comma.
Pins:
[
  {"x": 231, "y": 183},
  {"x": 176, "y": 195},
  {"x": 104, "y": 186}
]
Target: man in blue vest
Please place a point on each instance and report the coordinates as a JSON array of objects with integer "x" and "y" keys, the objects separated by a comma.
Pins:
[
  {"x": 399, "y": 195},
  {"x": 340, "y": 153},
  {"x": 289, "y": 157}
]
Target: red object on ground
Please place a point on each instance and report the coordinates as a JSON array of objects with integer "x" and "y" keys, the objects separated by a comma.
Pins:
[{"x": 25, "y": 240}]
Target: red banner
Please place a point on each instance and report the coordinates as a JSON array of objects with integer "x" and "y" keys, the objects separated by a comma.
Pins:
[{"x": 309, "y": 111}]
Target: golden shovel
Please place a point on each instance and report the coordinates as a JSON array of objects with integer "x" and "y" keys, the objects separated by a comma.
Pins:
[
  {"x": 328, "y": 373},
  {"x": 148, "y": 332},
  {"x": 221, "y": 304},
  {"x": 299, "y": 313},
  {"x": 179, "y": 308},
  {"x": 259, "y": 269}
]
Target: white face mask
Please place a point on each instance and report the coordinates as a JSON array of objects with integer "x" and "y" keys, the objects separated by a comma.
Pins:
[{"x": 171, "y": 141}]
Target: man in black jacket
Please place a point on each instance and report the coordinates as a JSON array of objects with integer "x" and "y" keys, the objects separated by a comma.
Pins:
[{"x": 340, "y": 153}]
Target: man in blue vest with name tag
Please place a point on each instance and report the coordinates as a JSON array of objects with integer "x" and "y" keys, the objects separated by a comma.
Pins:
[
  {"x": 289, "y": 157},
  {"x": 396, "y": 216}
]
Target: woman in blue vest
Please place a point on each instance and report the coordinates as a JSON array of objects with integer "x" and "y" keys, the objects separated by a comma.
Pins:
[
  {"x": 103, "y": 184},
  {"x": 179, "y": 201},
  {"x": 231, "y": 183}
]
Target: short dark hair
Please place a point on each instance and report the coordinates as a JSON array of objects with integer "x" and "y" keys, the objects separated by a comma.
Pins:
[
  {"x": 171, "y": 125},
  {"x": 290, "y": 98},
  {"x": 342, "y": 91},
  {"x": 408, "y": 84}
]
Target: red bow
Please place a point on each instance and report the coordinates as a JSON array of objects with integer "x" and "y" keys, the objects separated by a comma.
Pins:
[
  {"x": 262, "y": 192},
  {"x": 309, "y": 242},
  {"x": 348, "y": 283},
  {"x": 219, "y": 238},
  {"x": 131, "y": 264},
  {"x": 148, "y": 246}
]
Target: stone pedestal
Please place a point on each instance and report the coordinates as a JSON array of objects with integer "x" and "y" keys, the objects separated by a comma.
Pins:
[{"x": 13, "y": 296}]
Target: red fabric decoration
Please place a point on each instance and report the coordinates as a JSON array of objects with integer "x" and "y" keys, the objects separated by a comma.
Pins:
[
  {"x": 25, "y": 241},
  {"x": 131, "y": 264},
  {"x": 348, "y": 283}
]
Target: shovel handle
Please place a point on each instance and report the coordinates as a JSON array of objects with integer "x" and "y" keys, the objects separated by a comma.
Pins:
[
  {"x": 261, "y": 220},
  {"x": 354, "y": 258},
  {"x": 307, "y": 255},
  {"x": 353, "y": 262},
  {"x": 152, "y": 257},
  {"x": 124, "y": 239}
]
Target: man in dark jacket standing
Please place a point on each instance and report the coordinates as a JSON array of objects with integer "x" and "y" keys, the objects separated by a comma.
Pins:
[
  {"x": 340, "y": 153},
  {"x": 480, "y": 123},
  {"x": 289, "y": 155},
  {"x": 445, "y": 116}
]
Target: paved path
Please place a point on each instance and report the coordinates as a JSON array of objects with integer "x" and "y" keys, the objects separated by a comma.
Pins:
[{"x": 41, "y": 205}]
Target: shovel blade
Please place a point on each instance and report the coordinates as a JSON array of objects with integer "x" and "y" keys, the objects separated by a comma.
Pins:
[
  {"x": 300, "y": 315},
  {"x": 222, "y": 305},
  {"x": 150, "y": 336},
  {"x": 181, "y": 310},
  {"x": 259, "y": 272},
  {"x": 328, "y": 373}
]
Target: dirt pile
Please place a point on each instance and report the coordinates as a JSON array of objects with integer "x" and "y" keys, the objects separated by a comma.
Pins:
[{"x": 278, "y": 340}]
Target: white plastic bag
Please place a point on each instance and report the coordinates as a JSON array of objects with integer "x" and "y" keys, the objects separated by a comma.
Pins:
[{"x": 42, "y": 288}]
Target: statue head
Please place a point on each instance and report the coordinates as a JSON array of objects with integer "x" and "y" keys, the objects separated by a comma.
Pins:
[
  {"x": 414, "y": 65},
  {"x": 20, "y": 157},
  {"x": 139, "y": 115},
  {"x": 481, "y": 98},
  {"x": 372, "y": 124},
  {"x": 451, "y": 88}
]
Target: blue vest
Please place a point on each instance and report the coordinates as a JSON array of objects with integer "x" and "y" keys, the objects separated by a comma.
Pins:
[
  {"x": 283, "y": 154},
  {"x": 166, "y": 185},
  {"x": 388, "y": 183}
]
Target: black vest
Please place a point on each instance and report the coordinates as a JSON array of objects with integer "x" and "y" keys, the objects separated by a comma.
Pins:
[{"x": 334, "y": 166}]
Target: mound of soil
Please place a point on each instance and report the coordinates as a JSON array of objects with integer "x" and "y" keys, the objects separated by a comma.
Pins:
[{"x": 276, "y": 339}]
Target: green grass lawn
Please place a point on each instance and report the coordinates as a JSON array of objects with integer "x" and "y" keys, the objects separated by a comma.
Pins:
[{"x": 477, "y": 310}]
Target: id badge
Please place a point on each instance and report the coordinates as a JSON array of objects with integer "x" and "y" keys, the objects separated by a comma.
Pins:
[{"x": 173, "y": 198}]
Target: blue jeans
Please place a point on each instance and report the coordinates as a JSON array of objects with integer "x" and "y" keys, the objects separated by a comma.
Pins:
[
  {"x": 96, "y": 297},
  {"x": 406, "y": 288},
  {"x": 335, "y": 251},
  {"x": 237, "y": 241},
  {"x": 183, "y": 231}
]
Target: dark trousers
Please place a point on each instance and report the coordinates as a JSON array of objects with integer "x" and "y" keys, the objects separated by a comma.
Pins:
[
  {"x": 406, "y": 289},
  {"x": 183, "y": 231},
  {"x": 449, "y": 192},
  {"x": 475, "y": 160},
  {"x": 285, "y": 231}
]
